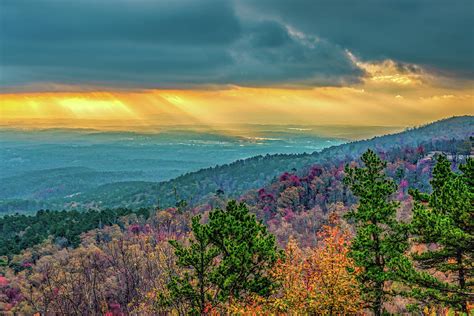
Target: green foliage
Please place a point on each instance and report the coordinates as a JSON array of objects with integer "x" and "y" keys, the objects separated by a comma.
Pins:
[
  {"x": 227, "y": 258},
  {"x": 447, "y": 222},
  {"x": 230, "y": 255},
  {"x": 248, "y": 251},
  {"x": 19, "y": 232},
  {"x": 199, "y": 259},
  {"x": 380, "y": 242}
]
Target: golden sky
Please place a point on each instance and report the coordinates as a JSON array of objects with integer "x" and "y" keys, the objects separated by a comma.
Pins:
[
  {"x": 387, "y": 96},
  {"x": 153, "y": 63}
]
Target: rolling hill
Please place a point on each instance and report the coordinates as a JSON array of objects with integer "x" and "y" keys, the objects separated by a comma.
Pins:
[{"x": 242, "y": 175}]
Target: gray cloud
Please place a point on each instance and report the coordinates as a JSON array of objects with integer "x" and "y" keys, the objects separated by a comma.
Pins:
[
  {"x": 437, "y": 34},
  {"x": 270, "y": 53},
  {"x": 171, "y": 22},
  {"x": 153, "y": 44},
  {"x": 190, "y": 43}
]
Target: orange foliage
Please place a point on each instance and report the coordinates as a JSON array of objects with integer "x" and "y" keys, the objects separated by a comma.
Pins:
[
  {"x": 334, "y": 289},
  {"x": 316, "y": 281}
]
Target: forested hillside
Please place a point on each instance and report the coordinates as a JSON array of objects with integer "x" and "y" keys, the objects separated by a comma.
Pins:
[
  {"x": 302, "y": 197},
  {"x": 384, "y": 233},
  {"x": 300, "y": 221},
  {"x": 236, "y": 157},
  {"x": 59, "y": 182},
  {"x": 40, "y": 166},
  {"x": 236, "y": 178}
]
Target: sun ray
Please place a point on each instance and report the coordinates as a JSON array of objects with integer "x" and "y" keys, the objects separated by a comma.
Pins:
[{"x": 388, "y": 101}]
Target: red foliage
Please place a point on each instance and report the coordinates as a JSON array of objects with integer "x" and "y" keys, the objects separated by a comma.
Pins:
[{"x": 4, "y": 281}]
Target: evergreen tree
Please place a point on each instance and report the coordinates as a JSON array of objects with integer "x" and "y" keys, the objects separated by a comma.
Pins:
[
  {"x": 194, "y": 287},
  {"x": 248, "y": 252},
  {"x": 448, "y": 222},
  {"x": 227, "y": 259},
  {"x": 380, "y": 241}
]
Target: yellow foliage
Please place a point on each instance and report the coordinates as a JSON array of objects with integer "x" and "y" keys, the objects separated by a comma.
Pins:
[{"x": 315, "y": 281}]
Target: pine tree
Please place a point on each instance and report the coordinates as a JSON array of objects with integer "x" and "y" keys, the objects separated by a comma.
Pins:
[
  {"x": 227, "y": 259},
  {"x": 380, "y": 241},
  {"x": 248, "y": 251},
  {"x": 447, "y": 222},
  {"x": 199, "y": 258}
]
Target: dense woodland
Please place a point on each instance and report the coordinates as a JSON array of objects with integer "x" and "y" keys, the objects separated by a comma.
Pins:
[
  {"x": 387, "y": 231},
  {"x": 240, "y": 176}
]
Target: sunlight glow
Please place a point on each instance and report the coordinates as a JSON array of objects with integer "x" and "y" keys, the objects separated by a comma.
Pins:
[{"x": 389, "y": 96}]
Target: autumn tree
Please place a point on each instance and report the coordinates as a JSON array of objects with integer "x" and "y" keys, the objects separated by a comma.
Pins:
[
  {"x": 226, "y": 259},
  {"x": 447, "y": 221},
  {"x": 316, "y": 281},
  {"x": 380, "y": 241},
  {"x": 113, "y": 270},
  {"x": 331, "y": 275},
  {"x": 292, "y": 295}
]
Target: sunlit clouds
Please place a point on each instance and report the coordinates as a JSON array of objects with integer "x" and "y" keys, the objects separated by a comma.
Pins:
[
  {"x": 390, "y": 95},
  {"x": 149, "y": 63}
]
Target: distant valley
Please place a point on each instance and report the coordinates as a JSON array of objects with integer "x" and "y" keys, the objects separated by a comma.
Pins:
[
  {"x": 39, "y": 165},
  {"x": 83, "y": 169}
]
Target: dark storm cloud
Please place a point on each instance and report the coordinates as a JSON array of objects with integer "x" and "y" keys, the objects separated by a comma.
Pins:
[
  {"x": 146, "y": 44},
  {"x": 270, "y": 53},
  {"x": 435, "y": 33},
  {"x": 168, "y": 21},
  {"x": 108, "y": 42},
  {"x": 189, "y": 43}
]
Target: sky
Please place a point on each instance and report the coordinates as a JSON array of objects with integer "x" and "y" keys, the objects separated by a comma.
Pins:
[{"x": 316, "y": 62}]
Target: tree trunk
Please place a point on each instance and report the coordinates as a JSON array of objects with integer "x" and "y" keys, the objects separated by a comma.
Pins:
[
  {"x": 378, "y": 285},
  {"x": 201, "y": 281},
  {"x": 378, "y": 299},
  {"x": 462, "y": 280}
]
